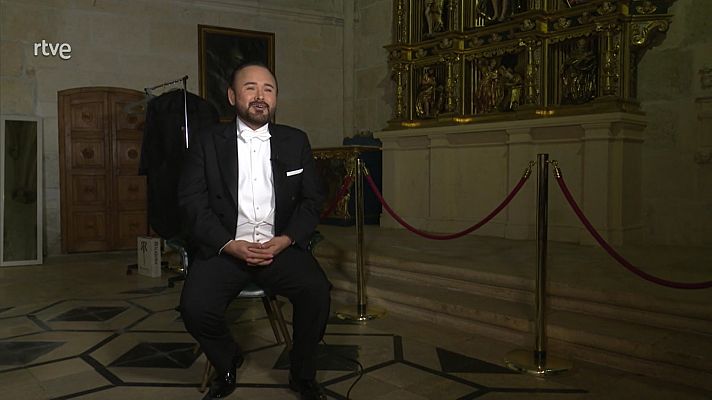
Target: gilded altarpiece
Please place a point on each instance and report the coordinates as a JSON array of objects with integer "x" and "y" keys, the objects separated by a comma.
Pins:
[
  {"x": 482, "y": 86},
  {"x": 463, "y": 61}
]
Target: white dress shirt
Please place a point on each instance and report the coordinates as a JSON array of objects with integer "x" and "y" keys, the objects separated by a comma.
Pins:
[{"x": 255, "y": 187}]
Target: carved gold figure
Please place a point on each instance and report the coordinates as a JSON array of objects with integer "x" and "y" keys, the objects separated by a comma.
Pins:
[
  {"x": 427, "y": 103},
  {"x": 434, "y": 15},
  {"x": 490, "y": 91},
  {"x": 578, "y": 75},
  {"x": 512, "y": 88},
  {"x": 499, "y": 9}
]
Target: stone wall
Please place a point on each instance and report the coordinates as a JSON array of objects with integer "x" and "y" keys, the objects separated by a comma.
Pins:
[
  {"x": 134, "y": 44},
  {"x": 373, "y": 94},
  {"x": 677, "y": 189}
]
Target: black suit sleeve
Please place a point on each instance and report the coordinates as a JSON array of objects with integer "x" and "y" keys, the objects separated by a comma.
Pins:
[
  {"x": 193, "y": 198},
  {"x": 306, "y": 214}
]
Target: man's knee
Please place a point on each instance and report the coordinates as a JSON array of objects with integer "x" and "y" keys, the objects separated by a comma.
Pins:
[
  {"x": 197, "y": 314},
  {"x": 318, "y": 286},
  {"x": 190, "y": 310}
]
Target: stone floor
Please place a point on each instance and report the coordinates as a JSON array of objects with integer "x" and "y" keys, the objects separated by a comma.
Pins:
[{"x": 79, "y": 327}]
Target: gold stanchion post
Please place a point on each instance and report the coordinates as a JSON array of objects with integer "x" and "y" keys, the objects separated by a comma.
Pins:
[
  {"x": 363, "y": 311},
  {"x": 538, "y": 362}
]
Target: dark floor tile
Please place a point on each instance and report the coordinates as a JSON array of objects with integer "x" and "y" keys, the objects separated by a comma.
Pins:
[
  {"x": 455, "y": 362},
  {"x": 90, "y": 314},
  {"x": 20, "y": 353},
  {"x": 159, "y": 355},
  {"x": 330, "y": 357}
]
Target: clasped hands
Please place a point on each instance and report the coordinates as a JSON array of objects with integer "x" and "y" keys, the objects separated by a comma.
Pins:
[{"x": 257, "y": 254}]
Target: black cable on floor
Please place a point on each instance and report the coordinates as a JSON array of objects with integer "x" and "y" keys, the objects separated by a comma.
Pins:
[{"x": 360, "y": 370}]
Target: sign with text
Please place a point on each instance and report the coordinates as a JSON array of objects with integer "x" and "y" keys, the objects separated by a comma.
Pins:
[{"x": 149, "y": 256}]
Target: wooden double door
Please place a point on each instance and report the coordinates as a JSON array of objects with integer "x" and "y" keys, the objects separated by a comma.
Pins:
[{"x": 103, "y": 200}]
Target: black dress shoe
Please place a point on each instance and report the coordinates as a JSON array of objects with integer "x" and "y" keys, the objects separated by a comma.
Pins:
[
  {"x": 224, "y": 384},
  {"x": 308, "y": 389}
]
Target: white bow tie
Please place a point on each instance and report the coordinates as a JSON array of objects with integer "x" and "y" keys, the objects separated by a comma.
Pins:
[{"x": 262, "y": 134}]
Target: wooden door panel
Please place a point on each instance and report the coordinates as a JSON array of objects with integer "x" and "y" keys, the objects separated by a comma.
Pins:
[
  {"x": 88, "y": 116},
  {"x": 126, "y": 121},
  {"x": 131, "y": 193},
  {"x": 88, "y": 155},
  {"x": 128, "y": 156},
  {"x": 89, "y": 232},
  {"x": 88, "y": 190},
  {"x": 131, "y": 224}
]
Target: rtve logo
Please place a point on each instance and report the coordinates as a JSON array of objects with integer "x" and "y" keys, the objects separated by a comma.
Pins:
[{"x": 64, "y": 50}]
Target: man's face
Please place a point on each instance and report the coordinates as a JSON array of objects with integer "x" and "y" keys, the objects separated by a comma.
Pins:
[{"x": 254, "y": 95}]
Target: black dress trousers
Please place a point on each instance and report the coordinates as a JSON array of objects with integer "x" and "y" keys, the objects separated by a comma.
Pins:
[{"x": 294, "y": 273}]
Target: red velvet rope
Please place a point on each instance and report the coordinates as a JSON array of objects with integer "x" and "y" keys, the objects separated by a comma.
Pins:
[
  {"x": 613, "y": 253},
  {"x": 348, "y": 180},
  {"x": 433, "y": 236}
]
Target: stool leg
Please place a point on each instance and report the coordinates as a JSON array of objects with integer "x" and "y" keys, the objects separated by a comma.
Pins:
[
  {"x": 271, "y": 316},
  {"x": 281, "y": 323}
]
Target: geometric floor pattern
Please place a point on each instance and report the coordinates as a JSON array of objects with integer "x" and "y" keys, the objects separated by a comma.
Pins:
[
  {"x": 134, "y": 345},
  {"x": 158, "y": 355},
  {"x": 329, "y": 358},
  {"x": 454, "y": 362},
  {"x": 20, "y": 353},
  {"x": 90, "y": 314}
]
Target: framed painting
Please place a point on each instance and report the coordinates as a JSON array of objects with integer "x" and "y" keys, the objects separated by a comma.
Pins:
[{"x": 220, "y": 50}]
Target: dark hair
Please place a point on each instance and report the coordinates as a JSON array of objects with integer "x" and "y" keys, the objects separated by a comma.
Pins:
[{"x": 244, "y": 65}]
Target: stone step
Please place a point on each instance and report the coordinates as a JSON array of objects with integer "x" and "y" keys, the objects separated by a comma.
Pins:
[
  {"x": 689, "y": 350},
  {"x": 632, "y": 307},
  {"x": 658, "y": 351},
  {"x": 664, "y": 371},
  {"x": 612, "y": 335}
]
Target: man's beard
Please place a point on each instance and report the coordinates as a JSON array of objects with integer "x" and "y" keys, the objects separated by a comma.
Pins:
[{"x": 252, "y": 116}]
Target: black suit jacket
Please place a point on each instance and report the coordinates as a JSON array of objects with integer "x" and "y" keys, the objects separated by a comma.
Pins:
[{"x": 207, "y": 192}]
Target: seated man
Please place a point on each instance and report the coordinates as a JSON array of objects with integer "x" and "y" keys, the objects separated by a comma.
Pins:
[{"x": 252, "y": 197}]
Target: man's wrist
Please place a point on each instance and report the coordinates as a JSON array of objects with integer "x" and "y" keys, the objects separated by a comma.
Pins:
[{"x": 224, "y": 246}]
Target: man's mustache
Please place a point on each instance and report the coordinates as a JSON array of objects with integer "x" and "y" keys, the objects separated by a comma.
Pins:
[{"x": 259, "y": 103}]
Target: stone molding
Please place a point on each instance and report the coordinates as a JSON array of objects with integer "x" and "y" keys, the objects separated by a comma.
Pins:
[{"x": 260, "y": 9}]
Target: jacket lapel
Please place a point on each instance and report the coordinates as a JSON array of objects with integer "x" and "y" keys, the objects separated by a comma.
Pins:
[
  {"x": 278, "y": 171},
  {"x": 226, "y": 149}
]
